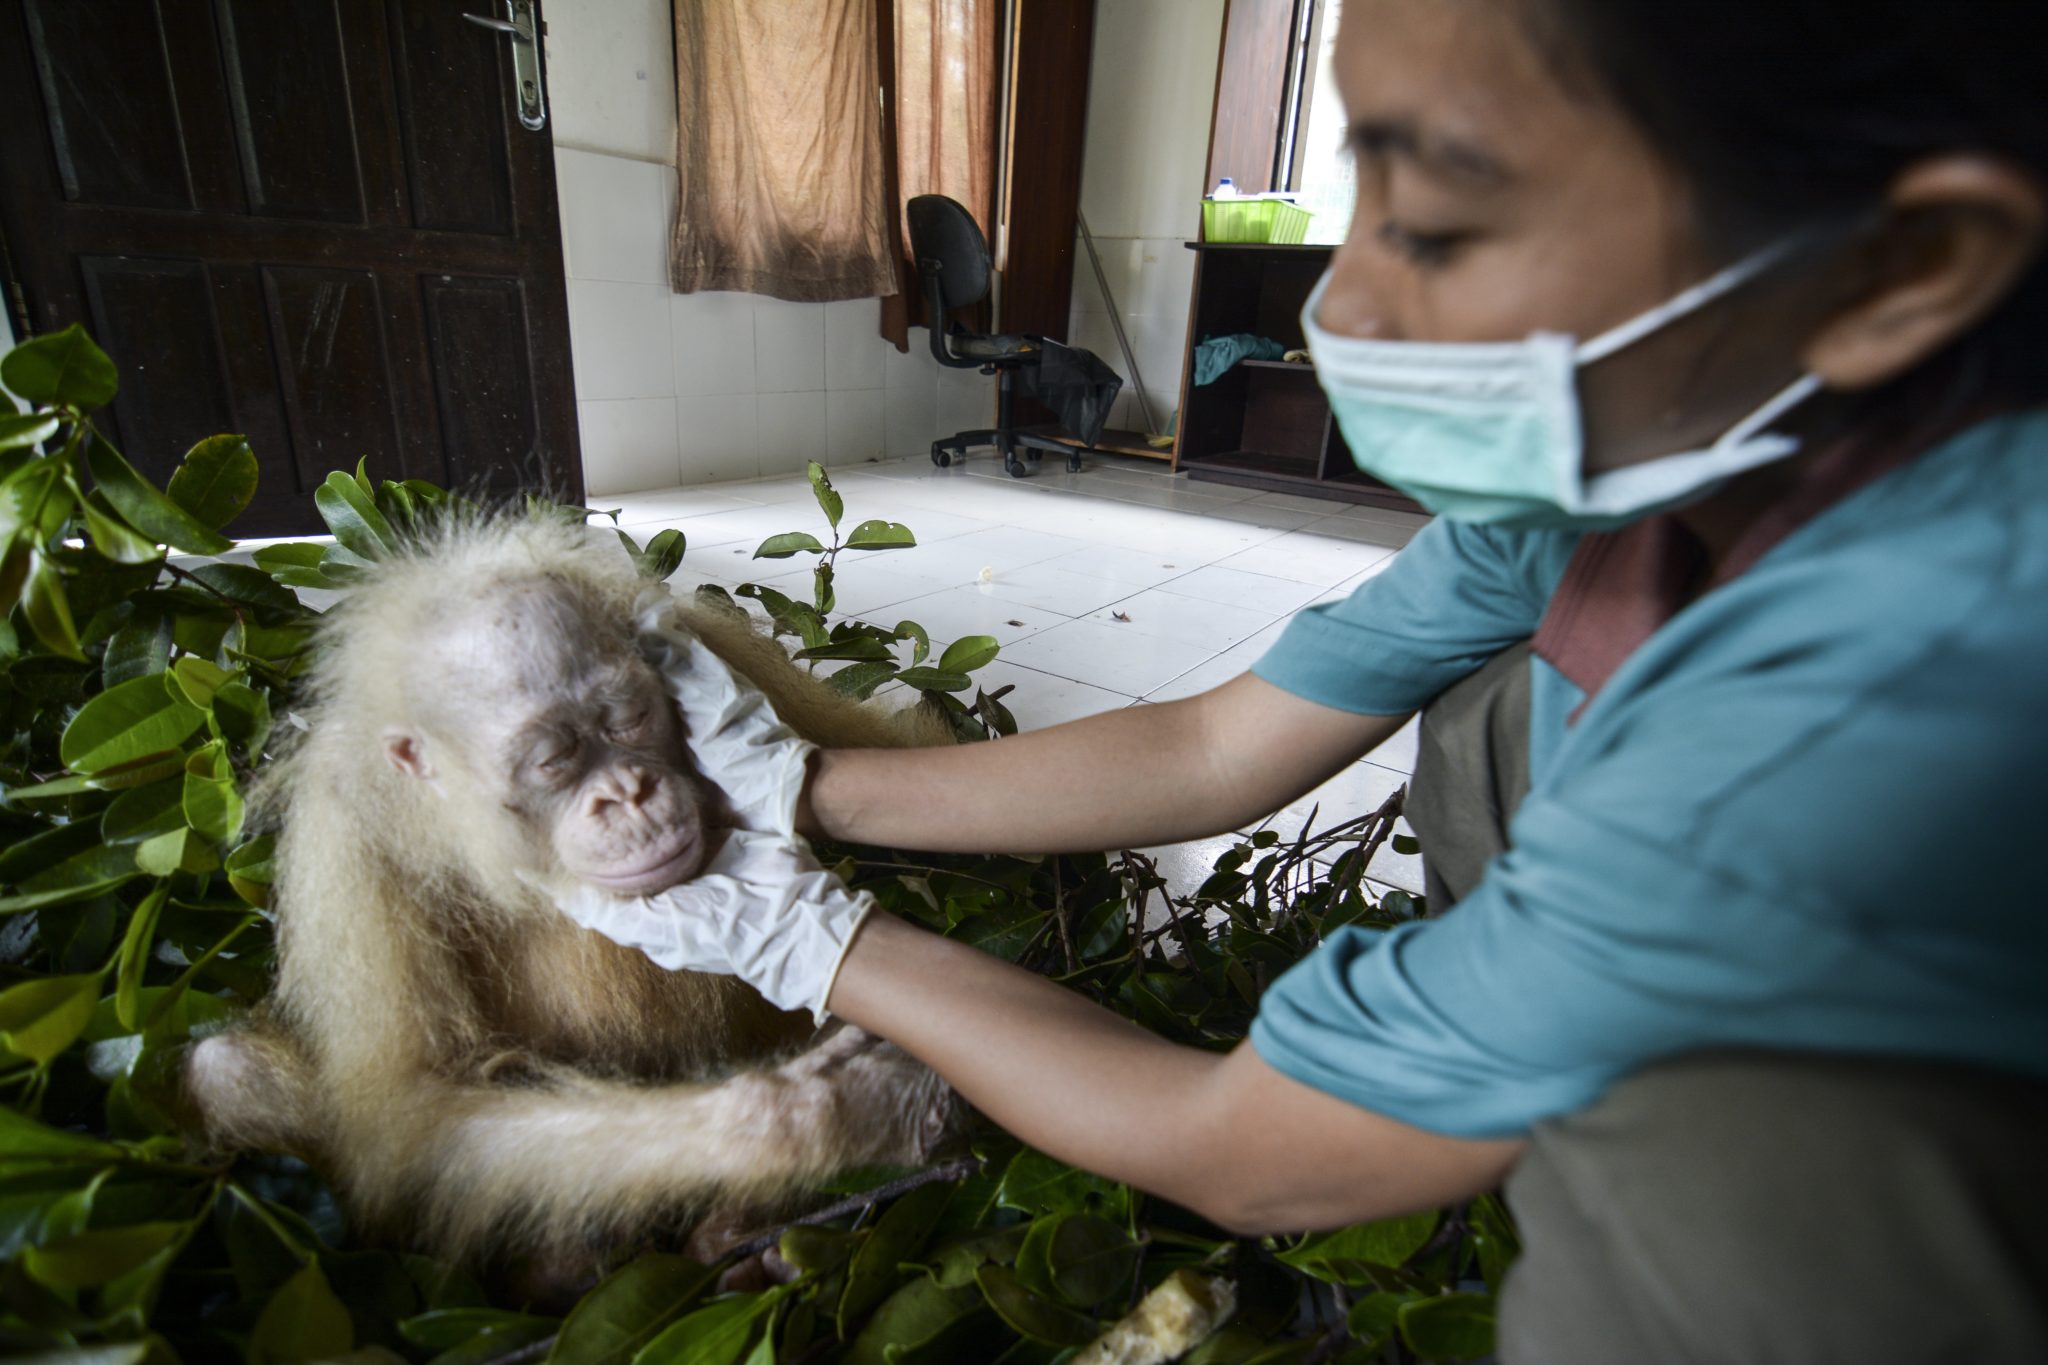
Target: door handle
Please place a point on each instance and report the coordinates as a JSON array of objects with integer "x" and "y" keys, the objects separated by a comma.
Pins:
[{"x": 525, "y": 59}]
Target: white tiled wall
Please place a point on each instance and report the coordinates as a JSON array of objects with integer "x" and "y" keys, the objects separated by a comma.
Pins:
[
  {"x": 692, "y": 388},
  {"x": 1152, "y": 77}
]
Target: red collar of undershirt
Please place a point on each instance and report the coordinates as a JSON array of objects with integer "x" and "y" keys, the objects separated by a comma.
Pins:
[{"x": 1622, "y": 586}]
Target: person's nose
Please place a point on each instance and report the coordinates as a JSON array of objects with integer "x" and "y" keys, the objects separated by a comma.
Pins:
[{"x": 1354, "y": 301}]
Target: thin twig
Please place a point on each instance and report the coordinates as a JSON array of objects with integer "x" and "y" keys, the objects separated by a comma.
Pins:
[
  {"x": 952, "y": 1170},
  {"x": 187, "y": 576},
  {"x": 1059, "y": 917}
]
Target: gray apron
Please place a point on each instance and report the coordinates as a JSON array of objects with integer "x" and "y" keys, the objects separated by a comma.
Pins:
[{"x": 1747, "y": 1207}]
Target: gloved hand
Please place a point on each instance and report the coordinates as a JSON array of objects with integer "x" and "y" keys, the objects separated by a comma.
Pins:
[
  {"x": 739, "y": 742},
  {"x": 762, "y": 910}
]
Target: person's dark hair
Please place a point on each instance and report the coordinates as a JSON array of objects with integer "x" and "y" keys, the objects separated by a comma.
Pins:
[{"x": 1782, "y": 113}]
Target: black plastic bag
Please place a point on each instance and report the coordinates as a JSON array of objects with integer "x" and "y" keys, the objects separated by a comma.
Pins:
[{"x": 1076, "y": 385}]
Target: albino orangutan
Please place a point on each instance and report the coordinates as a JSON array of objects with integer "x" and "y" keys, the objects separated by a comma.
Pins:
[{"x": 477, "y": 1074}]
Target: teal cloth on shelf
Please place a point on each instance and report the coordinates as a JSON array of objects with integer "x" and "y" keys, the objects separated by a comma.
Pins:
[{"x": 1218, "y": 354}]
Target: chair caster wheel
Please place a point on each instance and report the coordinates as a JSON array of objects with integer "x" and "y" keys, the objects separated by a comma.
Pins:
[
  {"x": 1073, "y": 464},
  {"x": 940, "y": 457},
  {"x": 1016, "y": 468}
]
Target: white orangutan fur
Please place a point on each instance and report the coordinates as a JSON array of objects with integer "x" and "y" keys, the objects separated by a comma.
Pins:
[{"x": 479, "y": 1075}]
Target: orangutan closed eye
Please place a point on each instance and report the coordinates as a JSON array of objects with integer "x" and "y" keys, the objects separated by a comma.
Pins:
[{"x": 479, "y": 1075}]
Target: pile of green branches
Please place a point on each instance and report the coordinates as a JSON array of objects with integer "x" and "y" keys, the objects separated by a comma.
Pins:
[{"x": 139, "y": 691}]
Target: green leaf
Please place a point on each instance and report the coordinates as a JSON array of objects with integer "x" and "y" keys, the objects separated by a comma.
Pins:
[
  {"x": 353, "y": 517},
  {"x": 935, "y": 679},
  {"x": 99, "y": 1256},
  {"x": 1038, "y": 1184},
  {"x": 817, "y": 1250},
  {"x": 445, "y": 1328},
  {"x": 923, "y": 1320},
  {"x": 880, "y": 535},
  {"x": 911, "y": 630},
  {"x": 198, "y": 680},
  {"x": 181, "y": 850},
  {"x": 147, "y": 510},
  {"x": 789, "y": 543},
  {"x": 41, "y": 1017},
  {"x": 135, "y": 947},
  {"x": 23, "y": 1139},
  {"x": 664, "y": 554},
  {"x": 302, "y": 1321},
  {"x": 216, "y": 480},
  {"x": 718, "y": 1334},
  {"x": 134, "y": 720},
  {"x": 112, "y": 538},
  {"x": 140, "y": 647},
  {"x": 49, "y": 611},
  {"x": 120, "y": 777},
  {"x": 1033, "y": 1315},
  {"x": 250, "y": 871},
  {"x": 291, "y": 560},
  {"x": 614, "y": 1321},
  {"x": 1450, "y": 1327},
  {"x": 897, "y": 1237},
  {"x": 994, "y": 712},
  {"x": 859, "y": 681},
  {"x": 213, "y": 806},
  {"x": 858, "y": 648},
  {"x": 1388, "y": 1242},
  {"x": 1406, "y": 844},
  {"x": 145, "y": 812},
  {"x": 28, "y": 429},
  {"x": 93, "y": 869},
  {"x": 828, "y": 498},
  {"x": 968, "y": 653},
  {"x": 243, "y": 715},
  {"x": 61, "y": 369},
  {"x": 241, "y": 583},
  {"x": 1089, "y": 1259},
  {"x": 822, "y": 596}
]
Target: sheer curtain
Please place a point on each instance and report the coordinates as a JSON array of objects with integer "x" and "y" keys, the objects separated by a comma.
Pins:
[
  {"x": 942, "y": 97},
  {"x": 781, "y": 181}
]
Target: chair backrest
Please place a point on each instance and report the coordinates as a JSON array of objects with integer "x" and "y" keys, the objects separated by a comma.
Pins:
[{"x": 946, "y": 242}]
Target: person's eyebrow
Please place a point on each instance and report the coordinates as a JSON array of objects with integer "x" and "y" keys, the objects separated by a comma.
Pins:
[{"x": 1445, "y": 157}]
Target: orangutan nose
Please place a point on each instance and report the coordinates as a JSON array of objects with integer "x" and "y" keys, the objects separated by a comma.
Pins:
[{"x": 622, "y": 790}]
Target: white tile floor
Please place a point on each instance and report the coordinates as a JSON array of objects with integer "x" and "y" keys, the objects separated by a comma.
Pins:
[{"x": 1051, "y": 565}]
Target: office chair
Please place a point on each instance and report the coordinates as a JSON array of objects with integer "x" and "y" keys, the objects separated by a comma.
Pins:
[{"x": 952, "y": 256}]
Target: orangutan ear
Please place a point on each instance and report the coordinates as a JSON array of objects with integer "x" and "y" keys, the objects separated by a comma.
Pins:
[{"x": 404, "y": 751}]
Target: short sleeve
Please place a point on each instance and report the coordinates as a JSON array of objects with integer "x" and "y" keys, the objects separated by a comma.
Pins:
[
  {"x": 1455, "y": 597},
  {"x": 1562, "y": 971}
]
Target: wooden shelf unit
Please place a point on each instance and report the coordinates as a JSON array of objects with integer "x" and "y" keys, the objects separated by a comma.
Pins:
[{"x": 1264, "y": 423}]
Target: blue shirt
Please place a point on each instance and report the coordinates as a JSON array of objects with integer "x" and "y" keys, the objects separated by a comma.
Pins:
[{"x": 1810, "y": 812}]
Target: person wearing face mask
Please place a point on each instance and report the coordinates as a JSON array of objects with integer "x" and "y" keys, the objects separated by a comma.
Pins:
[{"x": 1718, "y": 339}]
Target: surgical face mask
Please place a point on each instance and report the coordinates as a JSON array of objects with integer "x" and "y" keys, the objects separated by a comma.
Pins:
[{"x": 1490, "y": 431}]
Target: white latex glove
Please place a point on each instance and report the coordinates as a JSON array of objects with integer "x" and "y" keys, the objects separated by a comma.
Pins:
[
  {"x": 762, "y": 910},
  {"x": 739, "y": 742}
]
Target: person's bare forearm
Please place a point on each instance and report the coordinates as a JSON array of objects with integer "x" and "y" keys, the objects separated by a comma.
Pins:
[
  {"x": 1124, "y": 779},
  {"x": 1225, "y": 1136},
  {"x": 1052, "y": 1068}
]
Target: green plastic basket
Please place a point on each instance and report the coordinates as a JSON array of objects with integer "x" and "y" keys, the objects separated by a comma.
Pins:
[{"x": 1254, "y": 220}]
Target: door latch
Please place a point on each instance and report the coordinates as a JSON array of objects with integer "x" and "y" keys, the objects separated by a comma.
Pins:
[{"x": 519, "y": 27}]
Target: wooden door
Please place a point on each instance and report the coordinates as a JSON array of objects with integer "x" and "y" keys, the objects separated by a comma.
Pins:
[{"x": 316, "y": 222}]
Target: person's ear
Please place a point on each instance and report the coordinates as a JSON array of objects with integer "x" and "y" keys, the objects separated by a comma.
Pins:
[
  {"x": 406, "y": 752},
  {"x": 1959, "y": 232}
]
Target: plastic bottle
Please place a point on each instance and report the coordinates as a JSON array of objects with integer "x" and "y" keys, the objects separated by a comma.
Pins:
[{"x": 1225, "y": 189}]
